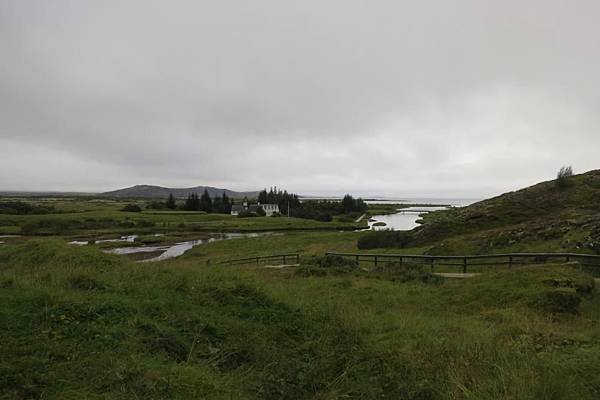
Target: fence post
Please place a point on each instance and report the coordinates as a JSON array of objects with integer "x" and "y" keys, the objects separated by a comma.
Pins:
[
  {"x": 465, "y": 265},
  {"x": 401, "y": 260},
  {"x": 257, "y": 261},
  {"x": 510, "y": 261},
  {"x": 375, "y": 260},
  {"x": 284, "y": 259},
  {"x": 431, "y": 260},
  {"x": 297, "y": 258},
  {"x": 568, "y": 258}
]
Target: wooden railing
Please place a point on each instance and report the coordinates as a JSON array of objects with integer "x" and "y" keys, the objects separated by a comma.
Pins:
[
  {"x": 464, "y": 262},
  {"x": 258, "y": 259}
]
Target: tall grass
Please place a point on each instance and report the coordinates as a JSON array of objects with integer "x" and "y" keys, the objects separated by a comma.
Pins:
[{"x": 77, "y": 323}]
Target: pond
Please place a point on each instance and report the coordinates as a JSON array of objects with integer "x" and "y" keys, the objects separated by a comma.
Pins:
[
  {"x": 165, "y": 251},
  {"x": 404, "y": 220}
]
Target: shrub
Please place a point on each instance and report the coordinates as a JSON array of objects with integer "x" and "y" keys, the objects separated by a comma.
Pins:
[
  {"x": 156, "y": 205},
  {"x": 324, "y": 218},
  {"x": 385, "y": 238},
  {"x": 142, "y": 223},
  {"x": 48, "y": 226},
  {"x": 22, "y": 208},
  {"x": 131, "y": 208},
  {"x": 559, "y": 301},
  {"x": 247, "y": 214},
  {"x": 85, "y": 282},
  {"x": 407, "y": 272},
  {"x": 324, "y": 265},
  {"x": 562, "y": 177}
]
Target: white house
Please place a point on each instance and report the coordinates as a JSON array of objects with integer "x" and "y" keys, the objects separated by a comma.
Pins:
[{"x": 269, "y": 209}]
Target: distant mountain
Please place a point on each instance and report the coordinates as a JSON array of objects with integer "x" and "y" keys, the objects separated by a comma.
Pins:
[{"x": 148, "y": 191}]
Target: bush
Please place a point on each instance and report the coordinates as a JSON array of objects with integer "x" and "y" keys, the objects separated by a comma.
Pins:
[
  {"x": 156, "y": 205},
  {"x": 562, "y": 177},
  {"x": 407, "y": 272},
  {"x": 85, "y": 282},
  {"x": 247, "y": 214},
  {"x": 384, "y": 239},
  {"x": 23, "y": 208},
  {"x": 49, "y": 226},
  {"x": 324, "y": 218},
  {"x": 324, "y": 265},
  {"x": 131, "y": 208},
  {"x": 560, "y": 301}
]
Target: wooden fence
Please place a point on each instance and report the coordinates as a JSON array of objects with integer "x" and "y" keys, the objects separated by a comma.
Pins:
[
  {"x": 257, "y": 260},
  {"x": 464, "y": 262}
]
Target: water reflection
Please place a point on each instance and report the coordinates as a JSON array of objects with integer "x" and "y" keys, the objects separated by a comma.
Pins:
[
  {"x": 405, "y": 219},
  {"x": 177, "y": 249}
]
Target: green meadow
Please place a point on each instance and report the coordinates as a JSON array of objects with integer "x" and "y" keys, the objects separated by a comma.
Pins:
[{"x": 78, "y": 323}]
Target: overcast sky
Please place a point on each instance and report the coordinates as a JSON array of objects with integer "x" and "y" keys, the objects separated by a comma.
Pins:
[{"x": 431, "y": 98}]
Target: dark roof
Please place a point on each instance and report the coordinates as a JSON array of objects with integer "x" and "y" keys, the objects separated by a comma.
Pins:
[{"x": 237, "y": 207}]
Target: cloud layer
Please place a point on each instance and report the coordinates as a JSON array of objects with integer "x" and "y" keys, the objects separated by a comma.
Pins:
[{"x": 463, "y": 98}]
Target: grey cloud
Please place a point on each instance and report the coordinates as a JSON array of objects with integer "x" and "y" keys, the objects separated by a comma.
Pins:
[{"x": 464, "y": 98}]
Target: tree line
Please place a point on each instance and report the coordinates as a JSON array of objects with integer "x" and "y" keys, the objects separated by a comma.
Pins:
[
  {"x": 218, "y": 204},
  {"x": 320, "y": 210}
]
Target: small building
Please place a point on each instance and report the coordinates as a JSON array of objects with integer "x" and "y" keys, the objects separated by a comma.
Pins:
[
  {"x": 269, "y": 209},
  {"x": 236, "y": 209}
]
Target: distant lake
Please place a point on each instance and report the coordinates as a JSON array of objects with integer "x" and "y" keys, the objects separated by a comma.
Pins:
[
  {"x": 406, "y": 218},
  {"x": 455, "y": 202}
]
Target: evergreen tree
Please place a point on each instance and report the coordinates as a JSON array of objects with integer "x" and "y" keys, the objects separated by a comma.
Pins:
[
  {"x": 225, "y": 204},
  {"x": 205, "y": 202},
  {"x": 263, "y": 197},
  {"x": 348, "y": 204},
  {"x": 192, "y": 203},
  {"x": 170, "y": 203}
]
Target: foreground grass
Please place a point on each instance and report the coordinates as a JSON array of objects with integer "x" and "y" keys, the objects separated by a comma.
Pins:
[{"x": 77, "y": 323}]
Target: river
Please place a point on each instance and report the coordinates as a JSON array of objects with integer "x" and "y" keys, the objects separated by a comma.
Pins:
[{"x": 406, "y": 218}]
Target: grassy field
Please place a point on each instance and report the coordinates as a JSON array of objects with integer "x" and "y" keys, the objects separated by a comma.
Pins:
[
  {"x": 94, "y": 217},
  {"x": 77, "y": 323}
]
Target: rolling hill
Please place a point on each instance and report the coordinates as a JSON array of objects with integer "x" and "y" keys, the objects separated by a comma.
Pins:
[
  {"x": 541, "y": 217},
  {"x": 149, "y": 191},
  {"x": 544, "y": 217}
]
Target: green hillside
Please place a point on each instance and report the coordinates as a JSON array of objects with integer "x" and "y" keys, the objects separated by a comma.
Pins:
[
  {"x": 543, "y": 217},
  {"x": 77, "y": 323}
]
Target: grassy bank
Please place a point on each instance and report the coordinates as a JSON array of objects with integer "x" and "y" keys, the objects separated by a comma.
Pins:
[{"x": 77, "y": 323}]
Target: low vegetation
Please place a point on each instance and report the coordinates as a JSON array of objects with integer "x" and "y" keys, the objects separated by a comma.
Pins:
[
  {"x": 18, "y": 207},
  {"x": 78, "y": 323},
  {"x": 542, "y": 218}
]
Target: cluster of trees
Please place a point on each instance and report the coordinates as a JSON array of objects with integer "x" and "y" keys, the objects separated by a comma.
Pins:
[
  {"x": 283, "y": 199},
  {"x": 16, "y": 207},
  {"x": 320, "y": 210},
  {"x": 132, "y": 208},
  {"x": 221, "y": 205},
  {"x": 194, "y": 202}
]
